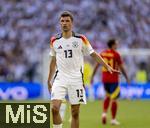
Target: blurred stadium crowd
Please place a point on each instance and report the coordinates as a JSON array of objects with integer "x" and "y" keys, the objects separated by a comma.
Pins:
[{"x": 26, "y": 26}]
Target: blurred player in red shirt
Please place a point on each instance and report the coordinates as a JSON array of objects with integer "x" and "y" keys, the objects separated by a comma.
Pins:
[{"x": 111, "y": 80}]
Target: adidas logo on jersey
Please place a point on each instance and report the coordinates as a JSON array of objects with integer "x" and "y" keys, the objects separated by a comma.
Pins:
[{"x": 60, "y": 47}]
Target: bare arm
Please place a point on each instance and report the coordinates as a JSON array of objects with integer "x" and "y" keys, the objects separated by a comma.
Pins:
[
  {"x": 94, "y": 72},
  {"x": 100, "y": 60},
  {"x": 122, "y": 68},
  {"x": 52, "y": 68}
]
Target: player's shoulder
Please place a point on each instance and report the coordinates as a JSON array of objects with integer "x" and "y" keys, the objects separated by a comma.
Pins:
[
  {"x": 82, "y": 37},
  {"x": 116, "y": 52},
  {"x": 78, "y": 35},
  {"x": 103, "y": 52},
  {"x": 55, "y": 37},
  {"x": 108, "y": 53}
]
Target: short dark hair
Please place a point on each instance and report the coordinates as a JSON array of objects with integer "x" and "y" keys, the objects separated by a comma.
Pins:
[
  {"x": 111, "y": 42},
  {"x": 67, "y": 13}
]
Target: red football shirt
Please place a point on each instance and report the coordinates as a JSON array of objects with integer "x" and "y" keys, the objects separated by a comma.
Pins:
[{"x": 113, "y": 59}]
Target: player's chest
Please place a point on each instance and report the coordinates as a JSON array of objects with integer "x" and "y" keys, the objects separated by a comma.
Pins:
[{"x": 62, "y": 45}]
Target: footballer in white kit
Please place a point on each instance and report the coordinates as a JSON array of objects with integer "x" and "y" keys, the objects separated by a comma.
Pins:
[{"x": 68, "y": 79}]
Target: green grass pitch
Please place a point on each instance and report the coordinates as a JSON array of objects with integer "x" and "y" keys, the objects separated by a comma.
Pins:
[{"x": 131, "y": 114}]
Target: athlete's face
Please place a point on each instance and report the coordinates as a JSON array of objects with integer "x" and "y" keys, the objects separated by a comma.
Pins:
[
  {"x": 66, "y": 23},
  {"x": 115, "y": 46}
]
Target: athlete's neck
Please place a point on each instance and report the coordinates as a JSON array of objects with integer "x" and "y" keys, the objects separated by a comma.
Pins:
[{"x": 67, "y": 34}]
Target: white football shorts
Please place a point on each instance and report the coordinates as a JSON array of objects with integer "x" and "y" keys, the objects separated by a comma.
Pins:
[{"x": 74, "y": 92}]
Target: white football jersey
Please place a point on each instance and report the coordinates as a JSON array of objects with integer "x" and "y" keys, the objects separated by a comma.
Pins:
[{"x": 69, "y": 55}]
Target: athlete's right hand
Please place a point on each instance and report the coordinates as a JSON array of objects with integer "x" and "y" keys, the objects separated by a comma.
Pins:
[
  {"x": 49, "y": 86},
  {"x": 111, "y": 70}
]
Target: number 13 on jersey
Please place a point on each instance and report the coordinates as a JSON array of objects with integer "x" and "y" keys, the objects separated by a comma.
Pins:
[{"x": 68, "y": 53}]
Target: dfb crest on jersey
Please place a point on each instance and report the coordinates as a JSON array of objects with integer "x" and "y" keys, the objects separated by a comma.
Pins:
[{"x": 75, "y": 44}]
